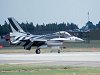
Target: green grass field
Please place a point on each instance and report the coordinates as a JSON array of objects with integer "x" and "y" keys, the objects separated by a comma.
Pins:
[
  {"x": 48, "y": 50},
  {"x": 29, "y": 69}
]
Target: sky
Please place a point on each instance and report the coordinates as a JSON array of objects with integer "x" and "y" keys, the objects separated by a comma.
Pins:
[{"x": 50, "y": 11}]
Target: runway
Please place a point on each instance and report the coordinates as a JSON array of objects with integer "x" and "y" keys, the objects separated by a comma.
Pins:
[{"x": 68, "y": 58}]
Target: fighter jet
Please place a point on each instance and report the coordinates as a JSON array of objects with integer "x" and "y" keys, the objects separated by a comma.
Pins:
[{"x": 54, "y": 40}]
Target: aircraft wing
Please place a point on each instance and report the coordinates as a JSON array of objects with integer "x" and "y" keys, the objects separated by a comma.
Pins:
[{"x": 32, "y": 42}]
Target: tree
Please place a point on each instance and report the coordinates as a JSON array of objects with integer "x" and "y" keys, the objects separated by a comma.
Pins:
[
  {"x": 1, "y": 31},
  {"x": 88, "y": 27},
  {"x": 6, "y": 28},
  {"x": 98, "y": 25},
  {"x": 62, "y": 27},
  {"x": 72, "y": 27}
]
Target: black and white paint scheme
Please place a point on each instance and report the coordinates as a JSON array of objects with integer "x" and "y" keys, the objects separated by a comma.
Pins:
[{"x": 54, "y": 40}]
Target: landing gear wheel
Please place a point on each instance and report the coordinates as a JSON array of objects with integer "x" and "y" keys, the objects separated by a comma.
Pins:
[
  {"x": 58, "y": 51},
  {"x": 38, "y": 51}
]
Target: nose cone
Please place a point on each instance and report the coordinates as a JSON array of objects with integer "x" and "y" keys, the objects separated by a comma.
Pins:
[
  {"x": 74, "y": 39},
  {"x": 79, "y": 40}
]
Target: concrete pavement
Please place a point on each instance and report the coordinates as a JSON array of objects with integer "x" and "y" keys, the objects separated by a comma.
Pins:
[{"x": 68, "y": 58}]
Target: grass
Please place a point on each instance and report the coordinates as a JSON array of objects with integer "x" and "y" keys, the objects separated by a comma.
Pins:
[
  {"x": 47, "y": 50},
  {"x": 31, "y": 69}
]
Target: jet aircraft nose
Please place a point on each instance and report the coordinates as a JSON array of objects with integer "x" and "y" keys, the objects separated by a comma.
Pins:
[{"x": 79, "y": 39}]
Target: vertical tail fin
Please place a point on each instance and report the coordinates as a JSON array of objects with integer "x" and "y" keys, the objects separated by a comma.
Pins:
[
  {"x": 13, "y": 30},
  {"x": 15, "y": 25},
  {"x": 16, "y": 29}
]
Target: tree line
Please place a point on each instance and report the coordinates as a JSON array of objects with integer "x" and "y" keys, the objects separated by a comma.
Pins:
[
  {"x": 39, "y": 29},
  {"x": 49, "y": 28}
]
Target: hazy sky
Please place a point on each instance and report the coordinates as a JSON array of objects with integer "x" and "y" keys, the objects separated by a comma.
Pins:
[{"x": 50, "y": 11}]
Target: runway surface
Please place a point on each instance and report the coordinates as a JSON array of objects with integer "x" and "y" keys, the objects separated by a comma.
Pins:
[{"x": 68, "y": 58}]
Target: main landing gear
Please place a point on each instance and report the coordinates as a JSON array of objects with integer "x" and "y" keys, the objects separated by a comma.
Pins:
[
  {"x": 58, "y": 51},
  {"x": 38, "y": 51}
]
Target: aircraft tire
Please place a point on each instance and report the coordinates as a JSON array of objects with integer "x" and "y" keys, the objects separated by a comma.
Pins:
[
  {"x": 58, "y": 51},
  {"x": 38, "y": 51}
]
